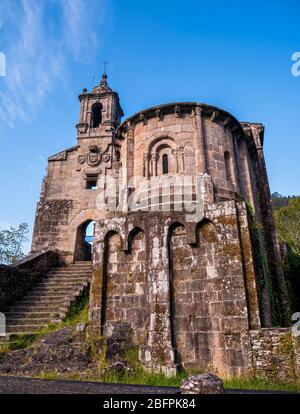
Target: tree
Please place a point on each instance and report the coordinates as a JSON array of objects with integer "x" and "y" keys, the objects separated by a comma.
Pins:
[
  {"x": 288, "y": 228},
  {"x": 288, "y": 224},
  {"x": 11, "y": 242}
]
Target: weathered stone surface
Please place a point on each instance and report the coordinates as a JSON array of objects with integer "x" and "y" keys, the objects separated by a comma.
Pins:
[
  {"x": 17, "y": 279},
  {"x": 275, "y": 354},
  {"x": 202, "y": 384}
]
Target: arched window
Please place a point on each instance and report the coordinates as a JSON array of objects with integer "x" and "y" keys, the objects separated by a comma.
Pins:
[
  {"x": 228, "y": 167},
  {"x": 165, "y": 164},
  {"x": 96, "y": 115}
]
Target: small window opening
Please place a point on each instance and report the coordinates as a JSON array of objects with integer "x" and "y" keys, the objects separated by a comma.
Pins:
[
  {"x": 165, "y": 164},
  {"x": 91, "y": 183},
  {"x": 96, "y": 115}
]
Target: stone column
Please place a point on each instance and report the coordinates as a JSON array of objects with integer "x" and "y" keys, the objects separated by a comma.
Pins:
[
  {"x": 159, "y": 352},
  {"x": 146, "y": 166},
  {"x": 246, "y": 178},
  {"x": 270, "y": 237},
  {"x": 96, "y": 286},
  {"x": 237, "y": 163},
  {"x": 200, "y": 143},
  {"x": 154, "y": 159},
  {"x": 181, "y": 160},
  {"x": 130, "y": 151},
  {"x": 248, "y": 267},
  {"x": 175, "y": 155}
]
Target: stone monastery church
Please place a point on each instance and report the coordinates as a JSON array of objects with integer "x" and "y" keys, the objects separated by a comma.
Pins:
[{"x": 190, "y": 292}]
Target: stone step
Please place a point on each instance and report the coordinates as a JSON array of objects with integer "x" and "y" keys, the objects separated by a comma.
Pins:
[
  {"x": 27, "y": 321},
  {"x": 50, "y": 308},
  {"x": 68, "y": 277},
  {"x": 75, "y": 267},
  {"x": 64, "y": 285},
  {"x": 22, "y": 329},
  {"x": 47, "y": 302},
  {"x": 65, "y": 282},
  {"x": 54, "y": 290},
  {"x": 71, "y": 276},
  {"x": 32, "y": 314},
  {"x": 62, "y": 293},
  {"x": 72, "y": 267},
  {"x": 58, "y": 281},
  {"x": 79, "y": 269},
  {"x": 79, "y": 262}
]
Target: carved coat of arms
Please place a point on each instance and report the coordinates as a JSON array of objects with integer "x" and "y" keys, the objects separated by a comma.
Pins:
[
  {"x": 95, "y": 156},
  {"x": 93, "y": 159}
]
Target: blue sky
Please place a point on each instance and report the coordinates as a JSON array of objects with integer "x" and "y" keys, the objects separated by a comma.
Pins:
[{"x": 232, "y": 54}]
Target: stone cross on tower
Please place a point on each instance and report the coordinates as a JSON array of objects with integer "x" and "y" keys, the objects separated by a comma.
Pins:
[{"x": 105, "y": 63}]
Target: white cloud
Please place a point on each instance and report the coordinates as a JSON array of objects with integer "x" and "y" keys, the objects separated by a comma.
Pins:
[{"x": 41, "y": 37}]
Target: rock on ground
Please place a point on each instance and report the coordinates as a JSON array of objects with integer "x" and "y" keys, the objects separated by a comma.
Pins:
[{"x": 202, "y": 384}]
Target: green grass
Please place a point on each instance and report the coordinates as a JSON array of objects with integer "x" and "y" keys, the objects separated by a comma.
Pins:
[
  {"x": 261, "y": 384},
  {"x": 79, "y": 311},
  {"x": 50, "y": 375}
]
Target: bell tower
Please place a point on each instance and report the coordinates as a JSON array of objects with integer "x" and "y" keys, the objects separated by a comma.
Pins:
[{"x": 100, "y": 112}]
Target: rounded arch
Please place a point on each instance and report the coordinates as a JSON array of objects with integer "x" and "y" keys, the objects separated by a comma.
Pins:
[
  {"x": 173, "y": 226},
  {"x": 162, "y": 156},
  {"x": 132, "y": 234},
  {"x": 79, "y": 219},
  {"x": 206, "y": 231},
  {"x": 84, "y": 241},
  {"x": 160, "y": 139}
]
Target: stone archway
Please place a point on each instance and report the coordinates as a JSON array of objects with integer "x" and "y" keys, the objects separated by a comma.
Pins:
[{"x": 84, "y": 241}]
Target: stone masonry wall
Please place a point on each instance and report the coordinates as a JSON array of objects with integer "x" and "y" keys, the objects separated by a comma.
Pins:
[
  {"x": 275, "y": 354},
  {"x": 127, "y": 294},
  {"x": 17, "y": 279},
  {"x": 194, "y": 303}
]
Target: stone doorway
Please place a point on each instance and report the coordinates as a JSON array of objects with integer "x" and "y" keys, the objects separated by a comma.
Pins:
[{"x": 84, "y": 241}]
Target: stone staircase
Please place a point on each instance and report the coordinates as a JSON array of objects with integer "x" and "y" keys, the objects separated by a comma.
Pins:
[{"x": 50, "y": 300}]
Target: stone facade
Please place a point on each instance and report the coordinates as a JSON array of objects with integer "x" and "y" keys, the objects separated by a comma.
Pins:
[
  {"x": 276, "y": 354},
  {"x": 190, "y": 286}
]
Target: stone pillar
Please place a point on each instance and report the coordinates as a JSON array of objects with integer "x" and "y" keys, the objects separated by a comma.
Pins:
[
  {"x": 96, "y": 286},
  {"x": 248, "y": 267},
  {"x": 270, "y": 237},
  {"x": 237, "y": 163},
  {"x": 175, "y": 155},
  {"x": 154, "y": 159},
  {"x": 130, "y": 151},
  {"x": 159, "y": 352},
  {"x": 245, "y": 171},
  {"x": 146, "y": 166},
  {"x": 200, "y": 143},
  {"x": 181, "y": 160}
]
